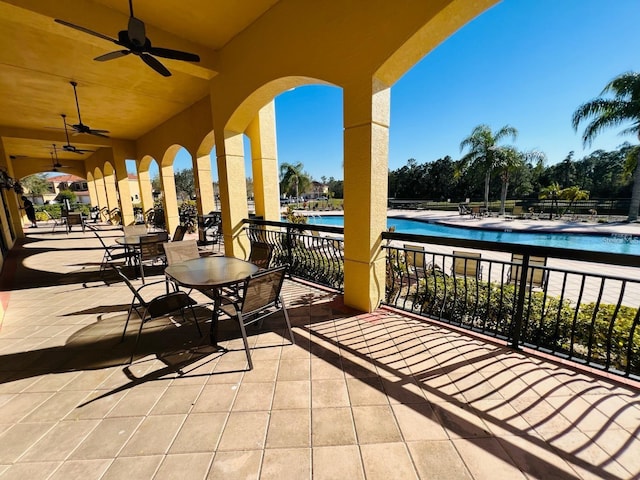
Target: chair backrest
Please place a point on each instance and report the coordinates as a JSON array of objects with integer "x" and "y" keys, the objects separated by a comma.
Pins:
[
  {"x": 414, "y": 255},
  {"x": 74, "y": 218},
  {"x": 178, "y": 252},
  {"x": 464, "y": 263},
  {"x": 148, "y": 248},
  {"x": 535, "y": 276},
  {"x": 517, "y": 210},
  {"x": 260, "y": 254},
  {"x": 178, "y": 235},
  {"x": 129, "y": 284},
  {"x": 262, "y": 290},
  {"x": 134, "y": 230},
  {"x": 104, "y": 245}
]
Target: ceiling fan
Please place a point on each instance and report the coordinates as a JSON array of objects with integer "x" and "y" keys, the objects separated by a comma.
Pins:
[
  {"x": 68, "y": 147},
  {"x": 81, "y": 127},
  {"x": 135, "y": 41},
  {"x": 56, "y": 163}
]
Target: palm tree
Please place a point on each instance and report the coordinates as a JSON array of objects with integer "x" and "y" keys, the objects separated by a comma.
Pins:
[
  {"x": 612, "y": 112},
  {"x": 509, "y": 161},
  {"x": 293, "y": 180},
  {"x": 573, "y": 194},
  {"x": 482, "y": 153},
  {"x": 552, "y": 192}
]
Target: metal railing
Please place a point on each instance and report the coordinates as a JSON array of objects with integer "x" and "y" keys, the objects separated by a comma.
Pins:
[
  {"x": 568, "y": 303},
  {"x": 313, "y": 252},
  {"x": 562, "y": 302}
]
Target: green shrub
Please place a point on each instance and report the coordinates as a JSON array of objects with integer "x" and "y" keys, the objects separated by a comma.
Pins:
[{"x": 548, "y": 322}]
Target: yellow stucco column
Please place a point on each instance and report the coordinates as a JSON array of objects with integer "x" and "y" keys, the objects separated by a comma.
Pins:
[
  {"x": 101, "y": 192},
  {"x": 264, "y": 161},
  {"x": 122, "y": 179},
  {"x": 169, "y": 198},
  {"x": 110, "y": 189},
  {"x": 17, "y": 217},
  {"x": 146, "y": 191},
  {"x": 233, "y": 193},
  {"x": 93, "y": 195},
  {"x": 366, "y": 140},
  {"x": 203, "y": 183}
]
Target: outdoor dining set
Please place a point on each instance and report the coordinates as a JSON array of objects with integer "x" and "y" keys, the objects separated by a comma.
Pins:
[{"x": 246, "y": 291}]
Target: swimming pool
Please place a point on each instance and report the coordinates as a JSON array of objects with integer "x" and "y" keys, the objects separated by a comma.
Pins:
[{"x": 614, "y": 243}]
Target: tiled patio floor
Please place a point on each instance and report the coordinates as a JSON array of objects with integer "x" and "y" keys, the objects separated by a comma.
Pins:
[{"x": 375, "y": 396}]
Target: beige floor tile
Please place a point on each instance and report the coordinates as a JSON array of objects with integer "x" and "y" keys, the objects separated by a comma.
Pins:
[
  {"x": 460, "y": 422},
  {"x": 188, "y": 465},
  {"x": 263, "y": 370},
  {"x": 289, "y": 428},
  {"x": 418, "y": 422},
  {"x": 176, "y": 399},
  {"x": 294, "y": 369},
  {"x": 20, "y": 406},
  {"x": 403, "y": 390},
  {"x": 216, "y": 398},
  {"x": 60, "y": 441},
  {"x": 244, "y": 431},
  {"x": 107, "y": 439},
  {"x": 328, "y": 367},
  {"x": 133, "y": 467},
  {"x": 329, "y": 393},
  {"x": 366, "y": 391},
  {"x": 290, "y": 395},
  {"x": 137, "y": 401},
  {"x": 332, "y": 426},
  {"x": 23, "y": 471},
  {"x": 375, "y": 424},
  {"x": 586, "y": 457},
  {"x": 383, "y": 461},
  {"x": 154, "y": 435},
  {"x": 437, "y": 460},
  {"x": 486, "y": 459},
  {"x": 19, "y": 438},
  {"x": 534, "y": 457},
  {"x": 85, "y": 469},
  {"x": 286, "y": 464},
  {"x": 337, "y": 462},
  {"x": 200, "y": 433},
  {"x": 240, "y": 464},
  {"x": 254, "y": 396}
]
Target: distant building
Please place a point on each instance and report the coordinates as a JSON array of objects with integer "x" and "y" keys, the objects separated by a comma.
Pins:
[
  {"x": 58, "y": 183},
  {"x": 318, "y": 190},
  {"x": 79, "y": 186}
]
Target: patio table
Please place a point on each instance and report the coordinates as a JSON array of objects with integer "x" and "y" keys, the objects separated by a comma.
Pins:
[{"x": 210, "y": 275}]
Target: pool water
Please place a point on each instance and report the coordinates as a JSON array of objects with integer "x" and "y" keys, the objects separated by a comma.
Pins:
[{"x": 614, "y": 243}]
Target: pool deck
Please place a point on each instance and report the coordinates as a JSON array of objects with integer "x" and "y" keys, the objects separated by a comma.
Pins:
[
  {"x": 494, "y": 222},
  {"x": 524, "y": 224}
]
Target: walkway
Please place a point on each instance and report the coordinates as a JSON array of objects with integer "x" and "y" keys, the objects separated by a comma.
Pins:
[{"x": 373, "y": 396}]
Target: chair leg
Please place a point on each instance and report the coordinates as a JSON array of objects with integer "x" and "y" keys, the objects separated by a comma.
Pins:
[
  {"x": 286, "y": 319},
  {"x": 245, "y": 340},
  {"x": 193, "y": 313},
  {"x": 135, "y": 347},
  {"x": 126, "y": 324}
]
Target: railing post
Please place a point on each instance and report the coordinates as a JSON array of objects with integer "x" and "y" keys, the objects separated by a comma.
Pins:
[
  {"x": 289, "y": 243},
  {"x": 522, "y": 290}
]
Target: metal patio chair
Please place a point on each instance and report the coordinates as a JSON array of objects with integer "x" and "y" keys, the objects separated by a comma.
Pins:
[
  {"x": 261, "y": 297},
  {"x": 466, "y": 264},
  {"x": 156, "y": 307},
  {"x": 536, "y": 277}
]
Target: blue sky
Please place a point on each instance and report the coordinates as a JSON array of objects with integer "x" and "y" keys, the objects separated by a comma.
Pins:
[{"x": 526, "y": 63}]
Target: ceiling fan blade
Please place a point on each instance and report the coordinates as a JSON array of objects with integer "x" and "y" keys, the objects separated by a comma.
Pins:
[
  {"x": 155, "y": 64},
  {"x": 85, "y": 30},
  {"x": 112, "y": 55},
  {"x": 174, "y": 54}
]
